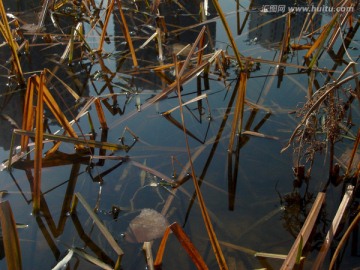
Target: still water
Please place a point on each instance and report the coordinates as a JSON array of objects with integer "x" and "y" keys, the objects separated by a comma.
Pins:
[{"x": 250, "y": 194}]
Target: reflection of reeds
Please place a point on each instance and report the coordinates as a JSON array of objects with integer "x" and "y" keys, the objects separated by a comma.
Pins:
[
  {"x": 100, "y": 225},
  {"x": 185, "y": 242}
]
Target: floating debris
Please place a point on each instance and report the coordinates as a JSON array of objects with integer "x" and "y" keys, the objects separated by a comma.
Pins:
[{"x": 147, "y": 226}]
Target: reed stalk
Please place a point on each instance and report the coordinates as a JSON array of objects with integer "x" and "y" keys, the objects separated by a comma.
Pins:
[
  {"x": 304, "y": 233},
  {"x": 212, "y": 236},
  {"x": 10, "y": 237},
  {"x": 229, "y": 34},
  {"x": 38, "y": 146},
  {"x": 14, "y": 47}
]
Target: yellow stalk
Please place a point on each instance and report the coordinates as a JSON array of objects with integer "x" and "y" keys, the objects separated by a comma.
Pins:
[
  {"x": 101, "y": 115},
  {"x": 27, "y": 123},
  {"x": 6, "y": 32},
  {"x": 304, "y": 233},
  {"x": 228, "y": 32},
  {"x": 38, "y": 147},
  {"x": 210, "y": 230},
  {"x": 239, "y": 109},
  {"x": 127, "y": 34},
  {"x": 10, "y": 237},
  {"x": 103, "y": 33},
  {"x": 77, "y": 141}
]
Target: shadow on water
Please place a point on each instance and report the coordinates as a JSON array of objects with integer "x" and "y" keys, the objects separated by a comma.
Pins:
[{"x": 122, "y": 83}]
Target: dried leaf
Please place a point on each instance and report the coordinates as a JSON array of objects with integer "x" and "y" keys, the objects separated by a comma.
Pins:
[{"x": 147, "y": 226}]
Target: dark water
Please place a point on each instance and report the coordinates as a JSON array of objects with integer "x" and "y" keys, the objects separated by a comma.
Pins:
[{"x": 247, "y": 198}]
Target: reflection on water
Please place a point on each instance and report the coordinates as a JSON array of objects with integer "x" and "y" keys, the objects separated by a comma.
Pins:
[{"x": 269, "y": 35}]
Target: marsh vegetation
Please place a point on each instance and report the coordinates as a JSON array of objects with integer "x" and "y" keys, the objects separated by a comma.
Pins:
[{"x": 172, "y": 134}]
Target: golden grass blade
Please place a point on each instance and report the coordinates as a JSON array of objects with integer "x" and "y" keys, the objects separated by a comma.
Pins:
[
  {"x": 260, "y": 135},
  {"x": 77, "y": 141},
  {"x": 148, "y": 255},
  {"x": 236, "y": 126},
  {"x": 68, "y": 88},
  {"x": 186, "y": 103},
  {"x": 284, "y": 49},
  {"x": 12, "y": 154},
  {"x": 353, "y": 153},
  {"x": 188, "y": 246},
  {"x": 10, "y": 237},
  {"x": 191, "y": 52},
  {"x": 305, "y": 231},
  {"x": 60, "y": 160},
  {"x": 38, "y": 146},
  {"x": 54, "y": 107},
  {"x": 161, "y": 250},
  {"x": 255, "y": 253},
  {"x": 100, "y": 225},
  {"x": 109, "y": 10},
  {"x": 320, "y": 41},
  {"x": 6, "y": 32},
  {"x": 92, "y": 259},
  {"x": 239, "y": 248},
  {"x": 85, "y": 107},
  {"x": 152, "y": 171},
  {"x": 334, "y": 227},
  {"x": 228, "y": 32},
  {"x": 148, "y": 41},
  {"x": 202, "y": 40},
  {"x": 344, "y": 239},
  {"x": 28, "y": 113},
  {"x": 125, "y": 29},
  {"x": 68, "y": 47},
  {"x": 335, "y": 36},
  {"x": 100, "y": 114},
  {"x": 180, "y": 126},
  {"x": 299, "y": 252},
  {"x": 270, "y": 255},
  {"x": 71, "y": 43},
  {"x": 210, "y": 230}
]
